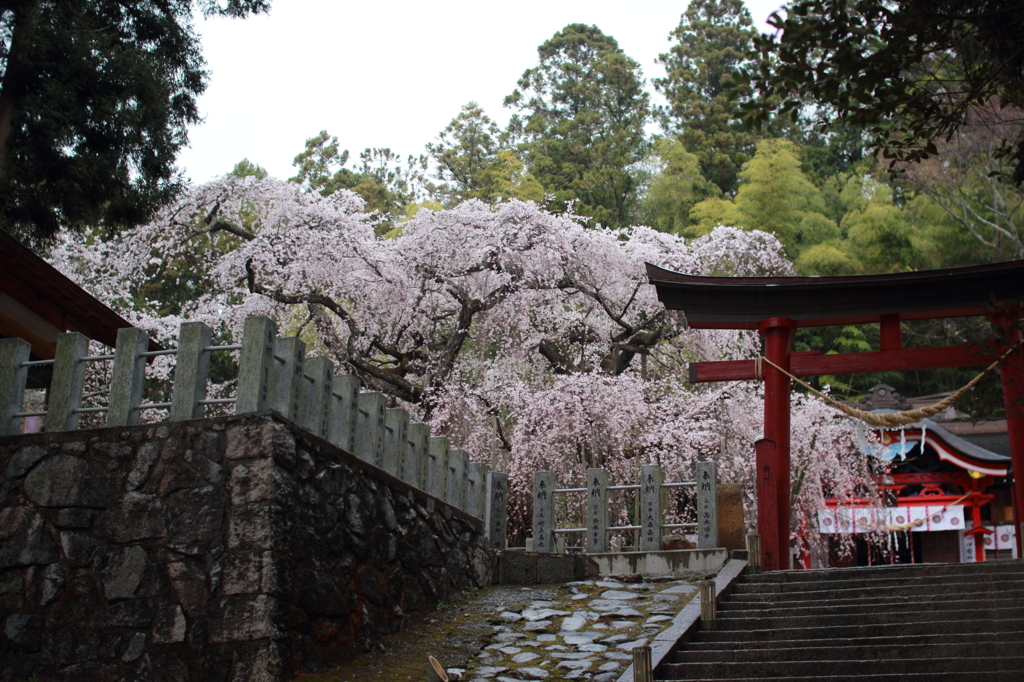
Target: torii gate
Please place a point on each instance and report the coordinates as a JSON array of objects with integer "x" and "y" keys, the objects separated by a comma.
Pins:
[{"x": 777, "y": 306}]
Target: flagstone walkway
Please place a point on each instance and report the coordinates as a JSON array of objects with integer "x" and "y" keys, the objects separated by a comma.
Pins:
[{"x": 583, "y": 630}]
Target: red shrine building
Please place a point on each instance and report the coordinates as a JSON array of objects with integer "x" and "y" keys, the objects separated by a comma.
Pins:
[
  {"x": 959, "y": 477},
  {"x": 947, "y": 499}
]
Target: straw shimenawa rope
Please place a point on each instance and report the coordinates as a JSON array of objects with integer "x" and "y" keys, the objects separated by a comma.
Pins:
[{"x": 888, "y": 419}]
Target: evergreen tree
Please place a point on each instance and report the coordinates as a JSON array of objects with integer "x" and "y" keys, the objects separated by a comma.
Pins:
[
  {"x": 473, "y": 161},
  {"x": 95, "y": 104},
  {"x": 714, "y": 37},
  {"x": 386, "y": 182},
  {"x": 581, "y": 119}
]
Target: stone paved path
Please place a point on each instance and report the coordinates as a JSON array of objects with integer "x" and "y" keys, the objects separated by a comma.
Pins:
[
  {"x": 586, "y": 631},
  {"x": 576, "y": 631}
]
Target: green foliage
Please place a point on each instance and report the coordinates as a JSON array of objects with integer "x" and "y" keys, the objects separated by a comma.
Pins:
[
  {"x": 909, "y": 71},
  {"x": 714, "y": 37},
  {"x": 95, "y": 104},
  {"x": 383, "y": 180},
  {"x": 777, "y": 197},
  {"x": 581, "y": 119},
  {"x": 706, "y": 215},
  {"x": 676, "y": 189},
  {"x": 828, "y": 259},
  {"x": 247, "y": 169}
]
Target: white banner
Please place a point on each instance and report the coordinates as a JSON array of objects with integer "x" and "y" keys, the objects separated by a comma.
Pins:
[{"x": 873, "y": 519}]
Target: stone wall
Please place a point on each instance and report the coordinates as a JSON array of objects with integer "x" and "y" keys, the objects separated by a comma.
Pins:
[{"x": 236, "y": 548}]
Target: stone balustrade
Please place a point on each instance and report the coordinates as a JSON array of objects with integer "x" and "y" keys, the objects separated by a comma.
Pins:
[
  {"x": 649, "y": 495},
  {"x": 274, "y": 373}
]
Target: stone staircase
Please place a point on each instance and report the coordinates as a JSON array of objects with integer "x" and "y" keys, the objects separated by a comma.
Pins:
[{"x": 935, "y": 622}]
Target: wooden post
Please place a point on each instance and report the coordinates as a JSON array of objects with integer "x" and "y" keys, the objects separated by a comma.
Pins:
[
  {"x": 651, "y": 480},
  {"x": 544, "y": 511},
  {"x": 437, "y": 468},
  {"x": 476, "y": 491},
  {"x": 191, "y": 371},
  {"x": 345, "y": 396},
  {"x": 708, "y": 605},
  {"x": 287, "y": 377},
  {"x": 13, "y": 376},
  {"x": 127, "y": 377},
  {"x": 707, "y": 505},
  {"x": 597, "y": 511},
  {"x": 396, "y": 440},
  {"x": 435, "y": 671},
  {"x": 767, "y": 522},
  {"x": 66, "y": 386},
  {"x": 497, "y": 510},
  {"x": 370, "y": 428},
  {"x": 255, "y": 364},
  {"x": 417, "y": 455},
  {"x": 458, "y": 460},
  {"x": 642, "y": 664}
]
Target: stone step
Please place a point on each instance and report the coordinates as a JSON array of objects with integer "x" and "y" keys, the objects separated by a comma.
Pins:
[
  {"x": 907, "y": 584},
  {"x": 982, "y": 674},
  {"x": 974, "y": 638},
  {"x": 905, "y": 570},
  {"x": 843, "y": 651},
  {"x": 893, "y": 619},
  {"x": 835, "y": 632},
  {"x": 848, "y": 668},
  {"x": 849, "y": 606},
  {"x": 899, "y": 597}
]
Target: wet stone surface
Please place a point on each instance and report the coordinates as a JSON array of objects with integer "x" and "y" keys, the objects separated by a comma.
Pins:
[
  {"x": 583, "y": 630},
  {"x": 488, "y": 635}
]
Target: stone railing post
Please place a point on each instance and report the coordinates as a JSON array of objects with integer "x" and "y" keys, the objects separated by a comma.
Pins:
[
  {"x": 127, "y": 377},
  {"x": 476, "y": 490},
  {"x": 316, "y": 398},
  {"x": 191, "y": 371},
  {"x": 544, "y": 511},
  {"x": 396, "y": 440},
  {"x": 651, "y": 480},
  {"x": 345, "y": 396},
  {"x": 287, "y": 377},
  {"x": 66, "y": 386},
  {"x": 437, "y": 467},
  {"x": 370, "y": 428},
  {"x": 707, "y": 505},
  {"x": 708, "y": 605},
  {"x": 13, "y": 376},
  {"x": 497, "y": 510},
  {"x": 255, "y": 364},
  {"x": 416, "y": 455},
  {"x": 597, "y": 511},
  {"x": 458, "y": 461}
]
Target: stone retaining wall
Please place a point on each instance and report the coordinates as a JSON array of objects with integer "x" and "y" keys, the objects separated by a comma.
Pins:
[{"x": 236, "y": 548}]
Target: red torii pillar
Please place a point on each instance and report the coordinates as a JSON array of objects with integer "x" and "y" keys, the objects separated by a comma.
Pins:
[
  {"x": 778, "y": 338},
  {"x": 1012, "y": 375}
]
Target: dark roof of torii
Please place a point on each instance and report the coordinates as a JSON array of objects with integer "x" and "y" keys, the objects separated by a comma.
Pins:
[{"x": 742, "y": 302}]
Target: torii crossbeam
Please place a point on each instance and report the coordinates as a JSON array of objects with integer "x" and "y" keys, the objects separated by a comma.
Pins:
[{"x": 777, "y": 306}]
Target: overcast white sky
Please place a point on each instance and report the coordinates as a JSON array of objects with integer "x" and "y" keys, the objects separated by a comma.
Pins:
[{"x": 387, "y": 74}]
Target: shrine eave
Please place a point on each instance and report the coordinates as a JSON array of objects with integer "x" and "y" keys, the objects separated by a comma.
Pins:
[{"x": 743, "y": 302}]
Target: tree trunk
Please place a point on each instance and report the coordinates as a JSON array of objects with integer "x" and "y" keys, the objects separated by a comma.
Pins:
[{"x": 15, "y": 80}]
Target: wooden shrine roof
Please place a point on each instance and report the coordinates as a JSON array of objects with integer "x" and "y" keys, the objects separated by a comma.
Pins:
[
  {"x": 742, "y": 302},
  {"x": 37, "y": 302}
]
